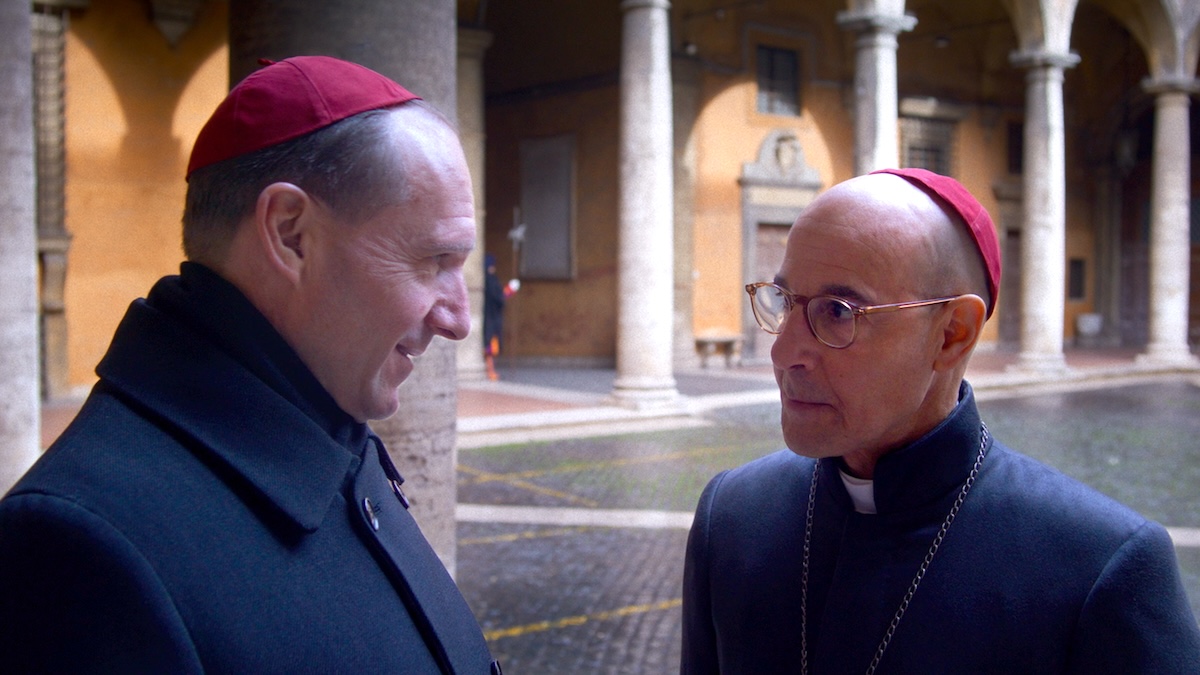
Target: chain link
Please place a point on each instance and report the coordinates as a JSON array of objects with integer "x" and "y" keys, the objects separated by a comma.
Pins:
[
  {"x": 808, "y": 521},
  {"x": 916, "y": 582}
]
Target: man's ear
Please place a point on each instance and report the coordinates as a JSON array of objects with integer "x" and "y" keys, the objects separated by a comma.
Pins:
[
  {"x": 283, "y": 216},
  {"x": 962, "y": 325}
]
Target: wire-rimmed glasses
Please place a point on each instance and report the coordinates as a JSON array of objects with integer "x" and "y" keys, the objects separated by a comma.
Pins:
[{"x": 831, "y": 319}]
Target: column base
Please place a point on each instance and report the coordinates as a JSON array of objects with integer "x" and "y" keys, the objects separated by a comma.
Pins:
[
  {"x": 1048, "y": 365},
  {"x": 472, "y": 373},
  {"x": 646, "y": 393},
  {"x": 1169, "y": 356}
]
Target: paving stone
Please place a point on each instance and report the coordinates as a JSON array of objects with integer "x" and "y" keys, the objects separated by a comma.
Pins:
[{"x": 605, "y": 599}]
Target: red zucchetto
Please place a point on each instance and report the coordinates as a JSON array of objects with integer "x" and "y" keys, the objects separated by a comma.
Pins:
[
  {"x": 287, "y": 99},
  {"x": 949, "y": 192}
]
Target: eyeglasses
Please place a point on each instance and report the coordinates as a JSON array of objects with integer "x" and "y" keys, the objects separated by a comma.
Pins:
[{"x": 832, "y": 320}]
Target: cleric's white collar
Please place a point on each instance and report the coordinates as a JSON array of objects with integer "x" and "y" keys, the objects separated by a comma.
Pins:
[{"x": 862, "y": 492}]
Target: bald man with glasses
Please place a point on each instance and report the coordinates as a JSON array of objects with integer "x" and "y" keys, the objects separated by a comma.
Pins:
[{"x": 895, "y": 535}]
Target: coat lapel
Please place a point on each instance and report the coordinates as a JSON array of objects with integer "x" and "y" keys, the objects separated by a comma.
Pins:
[{"x": 431, "y": 595}]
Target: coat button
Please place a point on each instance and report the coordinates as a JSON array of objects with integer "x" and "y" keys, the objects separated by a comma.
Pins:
[{"x": 369, "y": 512}]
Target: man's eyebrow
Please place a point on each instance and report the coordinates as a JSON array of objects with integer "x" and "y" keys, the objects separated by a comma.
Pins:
[
  {"x": 433, "y": 246},
  {"x": 463, "y": 249},
  {"x": 837, "y": 290},
  {"x": 845, "y": 293}
]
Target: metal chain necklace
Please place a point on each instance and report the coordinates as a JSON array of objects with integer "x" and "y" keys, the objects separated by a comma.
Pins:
[{"x": 912, "y": 588}]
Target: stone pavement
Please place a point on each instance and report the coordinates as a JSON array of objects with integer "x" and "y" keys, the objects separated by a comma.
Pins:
[
  {"x": 538, "y": 403},
  {"x": 573, "y": 512}
]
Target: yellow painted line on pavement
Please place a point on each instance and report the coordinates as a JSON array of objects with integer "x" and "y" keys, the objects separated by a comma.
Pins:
[
  {"x": 526, "y": 485},
  {"x": 575, "y": 467},
  {"x": 569, "y": 621},
  {"x": 521, "y": 536}
]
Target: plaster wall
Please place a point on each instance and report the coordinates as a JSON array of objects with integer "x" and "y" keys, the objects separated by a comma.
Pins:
[{"x": 134, "y": 106}]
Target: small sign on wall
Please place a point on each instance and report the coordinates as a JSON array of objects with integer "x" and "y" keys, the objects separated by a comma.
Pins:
[{"x": 548, "y": 207}]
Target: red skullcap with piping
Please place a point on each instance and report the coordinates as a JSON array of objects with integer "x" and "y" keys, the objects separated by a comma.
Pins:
[
  {"x": 288, "y": 99},
  {"x": 950, "y": 193}
]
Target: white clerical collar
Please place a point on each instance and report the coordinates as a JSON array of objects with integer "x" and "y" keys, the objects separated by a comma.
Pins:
[{"x": 862, "y": 492}]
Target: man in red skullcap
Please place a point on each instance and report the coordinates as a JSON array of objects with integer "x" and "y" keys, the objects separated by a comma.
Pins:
[
  {"x": 895, "y": 535},
  {"x": 220, "y": 504}
]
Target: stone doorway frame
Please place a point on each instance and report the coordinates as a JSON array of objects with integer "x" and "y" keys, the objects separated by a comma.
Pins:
[{"x": 776, "y": 187}]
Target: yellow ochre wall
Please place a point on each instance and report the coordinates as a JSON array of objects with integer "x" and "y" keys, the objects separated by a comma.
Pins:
[
  {"x": 134, "y": 106},
  {"x": 728, "y": 134},
  {"x": 980, "y": 158}
]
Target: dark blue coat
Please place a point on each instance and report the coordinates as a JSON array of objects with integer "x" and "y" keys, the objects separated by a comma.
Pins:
[
  {"x": 207, "y": 510},
  {"x": 1038, "y": 573}
]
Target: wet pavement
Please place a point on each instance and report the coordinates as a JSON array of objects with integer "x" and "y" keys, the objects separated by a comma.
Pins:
[
  {"x": 571, "y": 549},
  {"x": 573, "y": 510}
]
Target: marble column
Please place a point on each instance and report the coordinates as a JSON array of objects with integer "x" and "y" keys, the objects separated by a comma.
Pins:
[
  {"x": 876, "y": 144},
  {"x": 20, "y": 426},
  {"x": 472, "y": 43},
  {"x": 645, "y": 259},
  {"x": 1043, "y": 235},
  {"x": 415, "y": 43},
  {"x": 1170, "y": 221}
]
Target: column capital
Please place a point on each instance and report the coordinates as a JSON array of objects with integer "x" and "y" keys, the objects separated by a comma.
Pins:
[
  {"x": 628, "y": 5},
  {"x": 1171, "y": 84},
  {"x": 865, "y": 21},
  {"x": 1039, "y": 58}
]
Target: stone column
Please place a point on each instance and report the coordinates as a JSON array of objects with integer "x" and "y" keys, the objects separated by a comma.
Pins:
[
  {"x": 1107, "y": 206},
  {"x": 1170, "y": 245},
  {"x": 54, "y": 242},
  {"x": 686, "y": 96},
  {"x": 20, "y": 427},
  {"x": 875, "y": 98},
  {"x": 472, "y": 43},
  {"x": 414, "y": 43},
  {"x": 645, "y": 260},
  {"x": 1043, "y": 236}
]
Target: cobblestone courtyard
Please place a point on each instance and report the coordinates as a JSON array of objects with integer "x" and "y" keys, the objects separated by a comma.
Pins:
[{"x": 558, "y": 593}]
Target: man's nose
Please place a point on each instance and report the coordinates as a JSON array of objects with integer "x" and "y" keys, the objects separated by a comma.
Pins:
[
  {"x": 795, "y": 346},
  {"x": 451, "y": 315}
]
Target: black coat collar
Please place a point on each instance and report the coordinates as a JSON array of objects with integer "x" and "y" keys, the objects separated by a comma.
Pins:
[
  {"x": 925, "y": 471},
  {"x": 198, "y": 355}
]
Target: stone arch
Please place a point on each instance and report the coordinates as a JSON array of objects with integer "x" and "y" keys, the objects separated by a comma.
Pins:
[{"x": 1170, "y": 37}]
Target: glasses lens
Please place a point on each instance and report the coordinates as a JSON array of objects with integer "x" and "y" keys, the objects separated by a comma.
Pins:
[
  {"x": 770, "y": 307},
  {"x": 832, "y": 321}
]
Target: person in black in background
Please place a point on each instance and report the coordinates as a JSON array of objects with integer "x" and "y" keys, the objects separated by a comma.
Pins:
[{"x": 495, "y": 295}]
